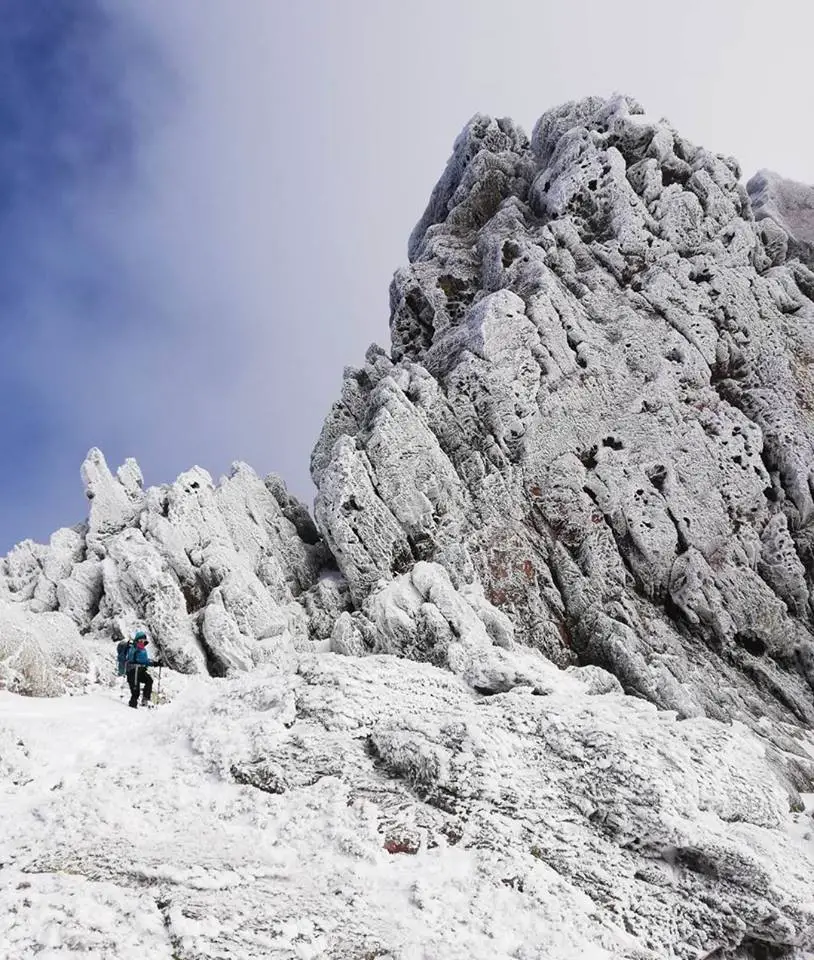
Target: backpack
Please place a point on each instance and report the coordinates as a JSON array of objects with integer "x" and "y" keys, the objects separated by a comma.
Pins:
[{"x": 125, "y": 651}]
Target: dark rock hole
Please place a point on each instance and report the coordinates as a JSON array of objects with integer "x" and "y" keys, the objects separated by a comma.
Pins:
[
  {"x": 751, "y": 644},
  {"x": 511, "y": 252},
  {"x": 588, "y": 458},
  {"x": 657, "y": 476}
]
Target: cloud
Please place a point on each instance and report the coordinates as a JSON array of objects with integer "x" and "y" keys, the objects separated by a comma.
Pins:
[{"x": 205, "y": 202}]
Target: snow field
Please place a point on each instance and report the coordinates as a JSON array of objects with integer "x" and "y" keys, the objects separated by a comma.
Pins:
[{"x": 356, "y": 808}]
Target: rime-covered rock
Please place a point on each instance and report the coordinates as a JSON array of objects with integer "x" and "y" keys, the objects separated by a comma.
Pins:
[
  {"x": 679, "y": 833},
  {"x": 422, "y": 616},
  {"x": 552, "y": 618},
  {"x": 598, "y": 409},
  {"x": 115, "y": 502},
  {"x": 42, "y": 654},
  {"x": 137, "y": 578},
  {"x": 785, "y": 211},
  {"x": 221, "y": 575}
]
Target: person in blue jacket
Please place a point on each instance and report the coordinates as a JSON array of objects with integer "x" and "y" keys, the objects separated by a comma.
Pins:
[{"x": 136, "y": 665}]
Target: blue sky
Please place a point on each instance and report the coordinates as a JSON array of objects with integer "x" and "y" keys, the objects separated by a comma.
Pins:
[
  {"x": 202, "y": 201},
  {"x": 67, "y": 147}
]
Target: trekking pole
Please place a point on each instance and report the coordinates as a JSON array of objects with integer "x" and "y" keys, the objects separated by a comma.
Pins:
[{"x": 158, "y": 688}]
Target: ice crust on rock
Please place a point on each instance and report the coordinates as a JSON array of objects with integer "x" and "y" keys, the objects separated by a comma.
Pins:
[
  {"x": 219, "y": 574},
  {"x": 598, "y": 407}
]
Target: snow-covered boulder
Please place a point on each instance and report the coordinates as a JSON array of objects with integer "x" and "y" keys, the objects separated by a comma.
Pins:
[
  {"x": 422, "y": 616},
  {"x": 681, "y": 834},
  {"x": 42, "y": 654}
]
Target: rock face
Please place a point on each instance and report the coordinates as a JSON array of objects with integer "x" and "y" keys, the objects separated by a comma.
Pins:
[
  {"x": 596, "y": 417},
  {"x": 599, "y": 408},
  {"x": 785, "y": 210}
]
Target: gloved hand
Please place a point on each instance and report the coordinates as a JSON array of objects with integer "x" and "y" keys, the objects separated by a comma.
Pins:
[{"x": 157, "y": 663}]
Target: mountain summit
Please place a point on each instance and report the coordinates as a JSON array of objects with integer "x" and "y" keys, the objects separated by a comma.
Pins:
[{"x": 578, "y": 492}]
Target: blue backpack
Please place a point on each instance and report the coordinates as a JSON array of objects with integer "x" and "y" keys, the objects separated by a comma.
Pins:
[{"x": 123, "y": 654}]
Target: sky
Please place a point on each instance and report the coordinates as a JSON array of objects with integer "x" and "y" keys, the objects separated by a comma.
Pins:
[{"x": 202, "y": 202}]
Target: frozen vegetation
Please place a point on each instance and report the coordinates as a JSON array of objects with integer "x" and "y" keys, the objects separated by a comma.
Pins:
[{"x": 537, "y": 678}]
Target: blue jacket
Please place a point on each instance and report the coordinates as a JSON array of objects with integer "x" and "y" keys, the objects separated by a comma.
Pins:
[{"x": 139, "y": 658}]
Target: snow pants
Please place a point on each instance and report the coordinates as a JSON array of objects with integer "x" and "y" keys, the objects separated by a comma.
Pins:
[{"x": 135, "y": 678}]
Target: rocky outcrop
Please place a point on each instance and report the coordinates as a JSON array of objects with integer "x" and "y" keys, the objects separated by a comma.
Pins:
[
  {"x": 220, "y": 575},
  {"x": 598, "y": 408},
  {"x": 596, "y": 414},
  {"x": 785, "y": 211}
]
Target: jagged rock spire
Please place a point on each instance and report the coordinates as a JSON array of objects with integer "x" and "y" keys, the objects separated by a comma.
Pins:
[{"x": 596, "y": 407}]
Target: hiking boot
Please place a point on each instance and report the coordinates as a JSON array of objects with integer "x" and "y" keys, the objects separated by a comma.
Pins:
[{"x": 133, "y": 705}]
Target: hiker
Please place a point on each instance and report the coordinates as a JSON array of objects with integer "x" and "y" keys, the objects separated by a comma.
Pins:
[{"x": 136, "y": 665}]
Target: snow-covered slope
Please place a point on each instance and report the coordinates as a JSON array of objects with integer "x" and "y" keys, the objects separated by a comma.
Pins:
[
  {"x": 563, "y": 555},
  {"x": 356, "y": 808}
]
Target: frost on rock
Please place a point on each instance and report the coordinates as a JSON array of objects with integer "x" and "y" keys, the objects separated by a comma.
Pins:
[
  {"x": 560, "y": 575},
  {"x": 785, "y": 210},
  {"x": 42, "y": 655},
  {"x": 221, "y": 575},
  {"x": 351, "y": 807},
  {"x": 114, "y": 501},
  {"x": 598, "y": 410},
  {"x": 420, "y": 615},
  {"x": 678, "y": 832}
]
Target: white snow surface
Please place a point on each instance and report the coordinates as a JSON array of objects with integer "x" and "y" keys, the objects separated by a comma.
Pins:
[{"x": 346, "y": 807}]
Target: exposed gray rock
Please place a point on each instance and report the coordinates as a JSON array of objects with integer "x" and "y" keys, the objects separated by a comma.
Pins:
[{"x": 785, "y": 210}]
